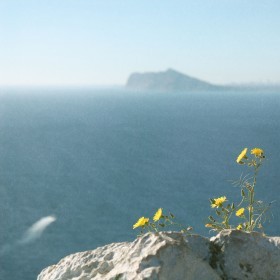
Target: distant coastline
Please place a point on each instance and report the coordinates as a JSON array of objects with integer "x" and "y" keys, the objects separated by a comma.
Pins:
[
  {"x": 163, "y": 81},
  {"x": 174, "y": 81}
]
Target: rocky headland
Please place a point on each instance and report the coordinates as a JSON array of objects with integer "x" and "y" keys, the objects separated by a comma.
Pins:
[
  {"x": 168, "y": 81},
  {"x": 231, "y": 254}
]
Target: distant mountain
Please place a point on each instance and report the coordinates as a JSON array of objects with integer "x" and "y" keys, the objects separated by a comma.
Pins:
[{"x": 169, "y": 80}]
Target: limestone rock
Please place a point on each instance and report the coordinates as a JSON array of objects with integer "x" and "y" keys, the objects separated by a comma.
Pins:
[
  {"x": 162, "y": 256},
  {"x": 241, "y": 255},
  {"x": 172, "y": 256}
]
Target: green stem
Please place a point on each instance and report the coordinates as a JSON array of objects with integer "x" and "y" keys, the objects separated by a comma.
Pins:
[
  {"x": 252, "y": 197},
  {"x": 251, "y": 211},
  {"x": 228, "y": 218}
]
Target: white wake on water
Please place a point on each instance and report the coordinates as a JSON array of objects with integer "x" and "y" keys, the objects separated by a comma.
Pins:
[
  {"x": 37, "y": 229},
  {"x": 33, "y": 232}
]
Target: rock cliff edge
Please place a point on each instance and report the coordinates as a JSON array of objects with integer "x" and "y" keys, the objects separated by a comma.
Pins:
[{"x": 231, "y": 254}]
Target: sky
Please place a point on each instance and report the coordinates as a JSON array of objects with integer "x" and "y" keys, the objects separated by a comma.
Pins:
[{"x": 101, "y": 42}]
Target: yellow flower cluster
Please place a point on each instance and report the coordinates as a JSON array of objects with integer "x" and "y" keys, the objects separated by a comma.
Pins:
[
  {"x": 218, "y": 202},
  {"x": 158, "y": 215},
  {"x": 240, "y": 212},
  {"x": 242, "y": 156},
  {"x": 239, "y": 227},
  {"x": 223, "y": 210},
  {"x": 257, "y": 152},
  {"x": 141, "y": 222}
]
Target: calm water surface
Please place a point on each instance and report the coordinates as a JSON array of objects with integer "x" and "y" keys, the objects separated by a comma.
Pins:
[{"x": 99, "y": 159}]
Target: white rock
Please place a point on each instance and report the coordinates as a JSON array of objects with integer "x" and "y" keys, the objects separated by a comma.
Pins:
[
  {"x": 241, "y": 255},
  {"x": 162, "y": 256},
  {"x": 171, "y": 256}
]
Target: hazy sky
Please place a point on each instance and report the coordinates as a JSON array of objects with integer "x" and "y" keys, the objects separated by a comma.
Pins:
[{"x": 100, "y": 42}]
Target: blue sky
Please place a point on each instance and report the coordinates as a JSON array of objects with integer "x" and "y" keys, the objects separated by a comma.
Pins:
[{"x": 90, "y": 42}]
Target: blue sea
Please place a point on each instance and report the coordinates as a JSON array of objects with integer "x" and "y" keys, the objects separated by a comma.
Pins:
[{"x": 98, "y": 159}]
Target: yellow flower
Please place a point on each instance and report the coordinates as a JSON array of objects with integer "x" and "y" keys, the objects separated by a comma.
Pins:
[
  {"x": 158, "y": 215},
  {"x": 240, "y": 212},
  {"x": 242, "y": 156},
  {"x": 141, "y": 222},
  {"x": 239, "y": 227},
  {"x": 208, "y": 225},
  {"x": 257, "y": 152},
  {"x": 218, "y": 202}
]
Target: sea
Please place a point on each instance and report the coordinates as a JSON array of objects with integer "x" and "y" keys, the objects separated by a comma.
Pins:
[{"x": 79, "y": 166}]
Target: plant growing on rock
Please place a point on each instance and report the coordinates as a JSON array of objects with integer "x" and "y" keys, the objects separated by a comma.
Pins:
[
  {"x": 253, "y": 212},
  {"x": 223, "y": 213},
  {"x": 160, "y": 221},
  {"x": 249, "y": 210}
]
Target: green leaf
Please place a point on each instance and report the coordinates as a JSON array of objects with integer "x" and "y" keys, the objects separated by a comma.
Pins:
[
  {"x": 211, "y": 219},
  {"x": 225, "y": 210}
]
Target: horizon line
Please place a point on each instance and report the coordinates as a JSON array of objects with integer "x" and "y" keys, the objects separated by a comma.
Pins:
[{"x": 237, "y": 84}]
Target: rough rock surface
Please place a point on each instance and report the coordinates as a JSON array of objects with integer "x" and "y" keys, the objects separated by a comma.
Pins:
[
  {"x": 240, "y": 255},
  {"x": 172, "y": 256}
]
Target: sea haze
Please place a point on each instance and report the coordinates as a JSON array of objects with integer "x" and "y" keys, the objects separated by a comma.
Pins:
[{"x": 88, "y": 163}]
